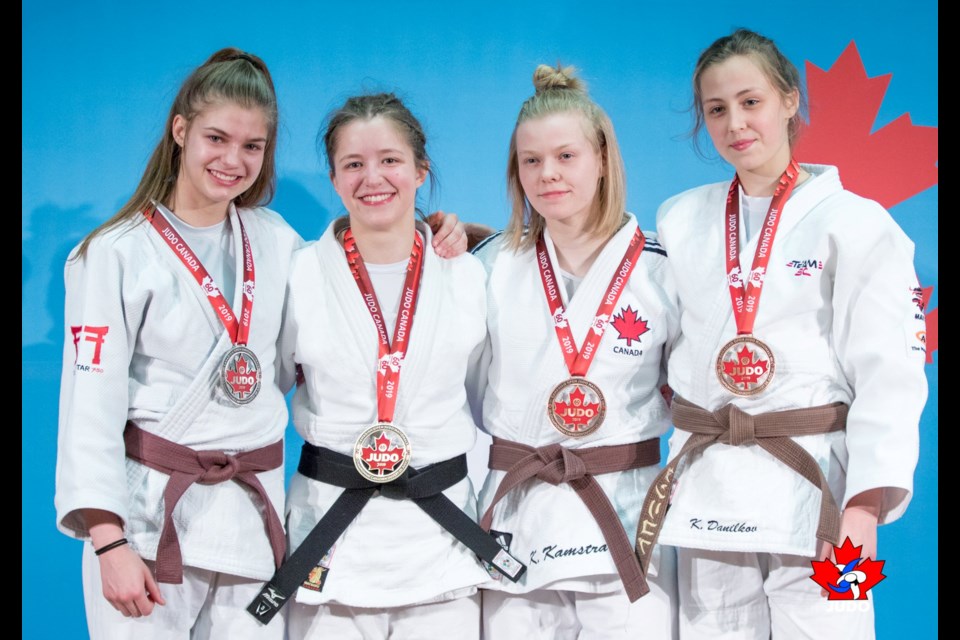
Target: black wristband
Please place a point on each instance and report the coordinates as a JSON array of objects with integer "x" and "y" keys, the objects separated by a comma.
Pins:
[{"x": 112, "y": 545}]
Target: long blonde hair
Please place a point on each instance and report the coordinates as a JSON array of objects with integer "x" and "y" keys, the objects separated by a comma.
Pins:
[{"x": 558, "y": 90}]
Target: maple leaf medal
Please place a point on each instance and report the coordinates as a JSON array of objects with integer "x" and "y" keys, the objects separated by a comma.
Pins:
[
  {"x": 240, "y": 374},
  {"x": 576, "y": 407},
  {"x": 382, "y": 453},
  {"x": 745, "y": 366}
]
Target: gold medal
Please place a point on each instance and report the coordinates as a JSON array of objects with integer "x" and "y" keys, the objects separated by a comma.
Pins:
[
  {"x": 382, "y": 453},
  {"x": 745, "y": 366},
  {"x": 576, "y": 407}
]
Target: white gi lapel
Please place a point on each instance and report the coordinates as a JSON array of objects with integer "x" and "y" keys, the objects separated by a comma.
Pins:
[
  {"x": 425, "y": 327},
  {"x": 361, "y": 336},
  {"x": 187, "y": 279},
  {"x": 581, "y": 310}
]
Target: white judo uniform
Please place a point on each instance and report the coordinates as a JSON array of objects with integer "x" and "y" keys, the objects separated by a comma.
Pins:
[
  {"x": 142, "y": 343},
  {"x": 548, "y": 526},
  {"x": 393, "y": 554},
  {"x": 840, "y": 310}
]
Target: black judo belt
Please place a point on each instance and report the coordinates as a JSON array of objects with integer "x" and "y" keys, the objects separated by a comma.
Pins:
[{"x": 424, "y": 486}]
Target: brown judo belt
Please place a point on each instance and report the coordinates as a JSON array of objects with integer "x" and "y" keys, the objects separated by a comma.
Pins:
[
  {"x": 556, "y": 465},
  {"x": 729, "y": 425},
  {"x": 186, "y": 467}
]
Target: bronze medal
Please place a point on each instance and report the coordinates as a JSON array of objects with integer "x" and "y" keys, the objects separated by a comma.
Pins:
[
  {"x": 576, "y": 407},
  {"x": 382, "y": 453},
  {"x": 745, "y": 366},
  {"x": 240, "y": 375}
]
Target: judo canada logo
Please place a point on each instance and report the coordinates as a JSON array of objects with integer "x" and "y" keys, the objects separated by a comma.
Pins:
[{"x": 850, "y": 577}]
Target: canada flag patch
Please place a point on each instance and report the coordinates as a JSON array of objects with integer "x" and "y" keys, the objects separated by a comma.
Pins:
[{"x": 630, "y": 327}]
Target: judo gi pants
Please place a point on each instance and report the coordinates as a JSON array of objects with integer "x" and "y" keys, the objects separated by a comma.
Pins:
[
  {"x": 548, "y": 614},
  {"x": 757, "y": 596},
  {"x": 207, "y": 606},
  {"x": 457, "y": 619}
]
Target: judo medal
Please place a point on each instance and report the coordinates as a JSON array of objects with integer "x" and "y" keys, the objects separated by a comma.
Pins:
[
  {"x": 745, "y": 365},
  {"x": 382, "y": 453},
  {"x": 240, "y": 375},
  {"x": 239, "y": 372},
  {"x": 576, "y": 407}
]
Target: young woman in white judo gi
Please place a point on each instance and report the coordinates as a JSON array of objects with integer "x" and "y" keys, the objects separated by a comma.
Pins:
[
  {"x": 799, "y": 371},
  {"x": 381, "y": 512},
  {"x": 171, "y": 421},
  {"x": 581, "y": 310}
]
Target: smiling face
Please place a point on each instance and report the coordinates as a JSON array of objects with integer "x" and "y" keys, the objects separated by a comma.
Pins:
[
  {"x": 559, "y": 167},
  {"x": 222, "y": 152},
  {"x": 748, "y": 119},
  {"x": 376, "y": 174}
]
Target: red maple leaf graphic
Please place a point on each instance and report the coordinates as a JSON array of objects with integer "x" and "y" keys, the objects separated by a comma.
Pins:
[
  {"x": 851, "y": 576},
  {"x": 889, "y": 165},
  {"x": 932, "y": 337},
  {"x": 244, "y": 378},
  {"x": 381, "y": 457},
  {"x": 744, "y": 370},
  {"x": 576, "y": 413},
  {"x": 629, "y": 325}
]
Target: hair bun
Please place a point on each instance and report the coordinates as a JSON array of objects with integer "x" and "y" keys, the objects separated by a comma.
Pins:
[{"x": 546, "y": 77}]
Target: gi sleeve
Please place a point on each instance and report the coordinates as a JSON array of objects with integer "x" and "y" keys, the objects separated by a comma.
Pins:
[
  {"x": 878, "y": 327},
  {"x": 101, "y": 320}
]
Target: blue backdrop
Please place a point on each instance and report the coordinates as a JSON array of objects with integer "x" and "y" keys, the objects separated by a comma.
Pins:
[{"x": 98, "y": 78}]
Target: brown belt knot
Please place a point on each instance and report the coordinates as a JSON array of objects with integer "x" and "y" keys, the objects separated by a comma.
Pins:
[
  {"x": 741, "y": 428},
  {"x": 773, "y": 432},
  {"x": 217, "y": 467},
  {"x": 556, "y": 464},
  {"x": 186, "y": 467},
  {"x": 560, "y": 465}
]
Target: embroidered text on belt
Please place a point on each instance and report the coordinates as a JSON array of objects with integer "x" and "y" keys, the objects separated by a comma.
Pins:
[
  {"x": 424, "y": 486},
  {"x": 729, "y": 425},
  {"x": 186, "y": 467},
  {"x": 557, "y": 464}
]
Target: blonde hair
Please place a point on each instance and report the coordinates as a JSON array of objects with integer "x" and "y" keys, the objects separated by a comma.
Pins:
[
  {"x": 558, "y": 90},
  {"x": 228, "y": 76}
]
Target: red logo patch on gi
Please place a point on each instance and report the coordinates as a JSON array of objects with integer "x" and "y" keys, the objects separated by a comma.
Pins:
[
  {"x": 629, "y": 325},
  {"x": 850, "y": 577},
  {"x": 95, "y": 335},
  {"x": 804, "y": 267}
]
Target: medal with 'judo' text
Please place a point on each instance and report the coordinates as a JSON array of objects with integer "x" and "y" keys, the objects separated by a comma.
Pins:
[
  {"x": 745, "y": 365},
  {"x": 576, "y": 407},
  {"x": 239, "y": 371},
  {"x": 382, "y": 452}
]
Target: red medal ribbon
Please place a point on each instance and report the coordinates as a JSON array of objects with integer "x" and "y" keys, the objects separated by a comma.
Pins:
[
  {"x": 237, "y": 329},
  {"x": 390, "y": 354},
  {"x": 746, "y": 305},
  {"x": 579, "y": 361}
]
